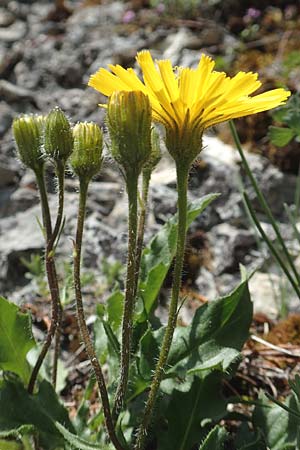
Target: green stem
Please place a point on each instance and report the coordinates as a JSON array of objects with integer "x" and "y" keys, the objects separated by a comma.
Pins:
[
  {"x": 263, "y": 202},
  {"x": 129, "y": 301},
  {"x": 141, "y": 225},
  {"x": 40, "y": 179},
  {"x": 52, "y": 280},
  {"x": 60, "y": 172},
  {"x": 182, "y": 180},
  {"x": 81, "y": 317},
  {"x": 297, "y": 194}
]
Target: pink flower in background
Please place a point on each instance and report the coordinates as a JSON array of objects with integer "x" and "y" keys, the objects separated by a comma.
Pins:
[
  {"x": 129, "y": 16},
  {"x": 251, "y": 15}
]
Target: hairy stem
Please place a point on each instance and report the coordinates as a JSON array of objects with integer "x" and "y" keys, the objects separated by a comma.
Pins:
[
  {"x": 141, "y": 226},
  {"x": 52, "y": 280},
  {"x": 60, "y": 172},
  {"x": 132, "y": 191},
  {"x": 81, "y": 318},
  {"x": 182, "y": 178}
]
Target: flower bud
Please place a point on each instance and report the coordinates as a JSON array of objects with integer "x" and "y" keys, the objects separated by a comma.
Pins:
[
  {"x": 129, "y": 122},
  {"x": 28, "y": 132},
  {"x": 86, "y": 158},
  {"x": 58, "y": 139}
]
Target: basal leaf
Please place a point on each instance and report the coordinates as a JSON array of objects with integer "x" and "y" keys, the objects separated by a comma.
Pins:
[
  {"x": 190, "y": 414},
  {"x": 15, "y": 339},
  {"x": 216, "y": 334},
  {"x": 215, "y": 439},
  {"x": 247, "y": 439},
  {"x": 115, "y": 309},
  {"x": 212, "y": 341},
  {"x": 19, "y": 410},
  {"x": 75, "y": 441},
  {"x": 158, "y": 255},
  {"x": 278, "y": 427}
]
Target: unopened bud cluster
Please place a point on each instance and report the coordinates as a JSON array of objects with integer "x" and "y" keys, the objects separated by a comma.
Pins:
[
  {"x": 134, "y": 144},
  {"x": 52, "y": 137}
]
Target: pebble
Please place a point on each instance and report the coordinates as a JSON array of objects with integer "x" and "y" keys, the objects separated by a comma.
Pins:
[{"x": 14, "y": 32}]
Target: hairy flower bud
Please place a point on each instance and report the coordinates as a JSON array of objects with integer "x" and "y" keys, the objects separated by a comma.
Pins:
[
  {"x": 86, "y": 158},
  {"x": 129, "y": 122},
  {"x": 28, "y": 132},
  {"x": 58, "y": 139}
]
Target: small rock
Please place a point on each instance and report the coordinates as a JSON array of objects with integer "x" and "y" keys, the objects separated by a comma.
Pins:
[
  {"x": 95, "y": 16},
  {"x": 264, "y": 287},
  {"x": 14, "y": 32},
  {"x": 8, "y": 174},
  {"x": 6, "y": 114},
  {"x": 175, "y": 43},
  {"x": 20, "y": 200},
  {"x": 80, "y": 104},
  {"x": 231, "y": 247},
  {"x": 6, "y": 18},
  {"x": 164, "y": 200},
  {"x": 9, "y": 58},
  {"x": 12, "y": 93},
  {"x": 206, "y": 284}
]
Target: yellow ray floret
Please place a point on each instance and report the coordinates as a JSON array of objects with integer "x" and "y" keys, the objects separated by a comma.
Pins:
[{"x": 202, "y": 95}]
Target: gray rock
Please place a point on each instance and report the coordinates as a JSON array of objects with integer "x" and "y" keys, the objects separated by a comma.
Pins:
[
  {"x": 206, "y": 284},
  {"x": 12, "y": 93},
  {"x": 264, "y": 289},
  {"x": 6, "y": 18},
  {"x": 8, "y": 173},
  {"x": 97, "y": 16},
  {"x": 19, "y": 200},
  {"x": 6, "y": 114},
  {"x": 164, "y": 200},
  {"x": 20, "y": 237},
  {"x": 231, "y": 247},
  {"x": 14, "y": 32},
  {"x": 9, "y": 58},
  {"x": 25, "y": 77},
  {"x": 80, "y": 104}
]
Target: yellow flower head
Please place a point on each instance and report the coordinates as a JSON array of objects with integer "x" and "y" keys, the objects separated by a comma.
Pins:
[{"x": 187, "y": 101}]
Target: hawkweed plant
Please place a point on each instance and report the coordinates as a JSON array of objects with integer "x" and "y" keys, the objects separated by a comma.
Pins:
[{"x": 186, "y": 102}]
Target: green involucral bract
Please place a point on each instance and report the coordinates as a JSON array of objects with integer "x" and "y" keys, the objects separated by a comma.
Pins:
[
  {"x": 86, "y": 159},
  {"x": 28, "y": 132},
  {"x": 58, "y": 139}
]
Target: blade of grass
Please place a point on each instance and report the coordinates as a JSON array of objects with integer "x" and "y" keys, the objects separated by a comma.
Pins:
[
  {"x": 263, "y": 202},
  {"x": 271, "y": 246},
  {"x": 292, "y": 221}
]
